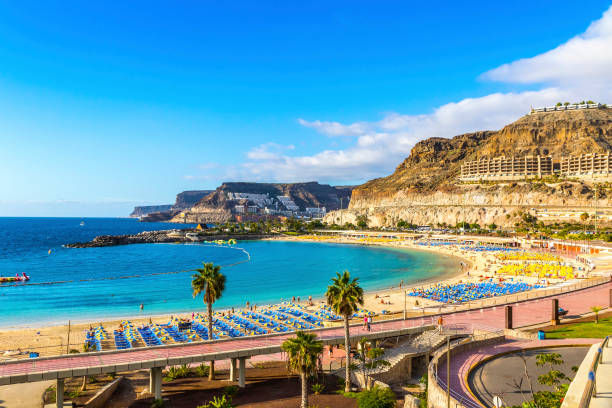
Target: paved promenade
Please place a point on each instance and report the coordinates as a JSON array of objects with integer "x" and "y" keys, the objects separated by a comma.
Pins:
[
  {"x": 603, "y": 379},
  {"x": 525, "y": 313}
]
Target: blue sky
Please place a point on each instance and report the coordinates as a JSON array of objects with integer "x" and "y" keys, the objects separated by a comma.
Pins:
[{"x": 105, "y": 106}]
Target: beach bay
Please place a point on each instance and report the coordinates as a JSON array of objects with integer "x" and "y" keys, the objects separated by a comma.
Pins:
[{"x": 105, "y": 283}]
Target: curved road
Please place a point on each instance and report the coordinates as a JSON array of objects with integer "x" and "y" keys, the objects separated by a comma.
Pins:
[{"x": 503, "y": 376}]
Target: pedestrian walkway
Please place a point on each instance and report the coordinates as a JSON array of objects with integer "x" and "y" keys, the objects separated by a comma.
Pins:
[{"x": 603, "y": 380}]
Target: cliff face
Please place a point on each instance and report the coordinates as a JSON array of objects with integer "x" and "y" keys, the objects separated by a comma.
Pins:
[
  {"x": 188, "y": 199},
  {"x": 217, "y": 206},
  {"x": 148, "y": 209},
  {"x": 428, "y": 177},
  {"x": 184, "y": 200}
]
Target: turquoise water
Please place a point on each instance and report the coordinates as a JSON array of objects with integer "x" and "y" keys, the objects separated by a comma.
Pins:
[{"x": 276, "y": 270}]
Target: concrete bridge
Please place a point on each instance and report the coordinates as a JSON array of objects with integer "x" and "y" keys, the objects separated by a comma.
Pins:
[{"x": 237, "y": 350}]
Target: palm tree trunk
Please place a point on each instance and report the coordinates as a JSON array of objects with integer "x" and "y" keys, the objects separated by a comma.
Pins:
[
  {"x": 304, "y": 390},
  {"x": 211, "y": 371},
  {"x": 347, "y": 347},
  {"x": 84, "y": 385}
]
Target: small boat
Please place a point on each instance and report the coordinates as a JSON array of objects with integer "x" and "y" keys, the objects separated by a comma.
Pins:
[
  {"x": 17, "y": 278},
  {"x": 82, "y": 223}
]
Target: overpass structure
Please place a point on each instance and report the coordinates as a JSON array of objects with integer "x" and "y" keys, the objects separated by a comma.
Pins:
[{"x": 492, "y": 318}]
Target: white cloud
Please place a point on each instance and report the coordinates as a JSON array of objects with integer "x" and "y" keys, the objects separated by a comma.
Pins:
[
  {"x": 583, "y": 60},
  {"x": 336, "y": 128},
  {"x": 576, "y": 70}
]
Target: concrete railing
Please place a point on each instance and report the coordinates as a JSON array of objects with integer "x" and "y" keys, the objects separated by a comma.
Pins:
[
  {"x": 437, "y": 396},
  {"x": 583, "y": 387}
]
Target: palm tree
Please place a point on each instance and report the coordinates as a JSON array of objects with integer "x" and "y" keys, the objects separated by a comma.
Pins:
[
  {"x": 212, "y": 282},
  {"x": 302, "y": 358},
  {"x": 596, "y": 310},
  {"x": 344, "y": 295}
]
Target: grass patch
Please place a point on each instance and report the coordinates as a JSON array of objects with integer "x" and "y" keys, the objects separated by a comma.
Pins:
[{"x": 590, "y": 330}]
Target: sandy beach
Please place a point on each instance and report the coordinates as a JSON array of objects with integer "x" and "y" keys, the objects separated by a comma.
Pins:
[{"x": 53, "y": 340}]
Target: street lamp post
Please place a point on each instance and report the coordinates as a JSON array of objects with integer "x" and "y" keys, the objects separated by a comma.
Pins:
[
  {"x": 405, "y": 294},
  {"x": 448, "y": 371}
]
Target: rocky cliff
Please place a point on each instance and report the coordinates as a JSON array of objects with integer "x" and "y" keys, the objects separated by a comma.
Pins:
[
  {"x": 188, "y": 199},
  {"x": 141, "y": 211},
  {"x": 424, "y": 189},
  {"x": 183, "y": 201},
  {"x": 218, "y": 206}
]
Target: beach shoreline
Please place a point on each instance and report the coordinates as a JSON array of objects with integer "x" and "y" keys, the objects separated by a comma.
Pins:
[
  {"x": 51, "y": 339},
  {"x": 449, "y": 274}
]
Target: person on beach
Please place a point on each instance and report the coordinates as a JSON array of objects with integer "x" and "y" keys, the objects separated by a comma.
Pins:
[
  {"x": 331, "y": 350},
  {"x": 141, "y": 306},
  {"x": 365, "y": 322},
  {"x": 369, "y": 322},
  {"x": 440, "y": 323}
]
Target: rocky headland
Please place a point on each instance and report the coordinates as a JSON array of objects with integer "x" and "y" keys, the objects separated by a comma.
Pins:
[
  {"x": 165, "y": 236},
  {"x": 218, "y": 206}
]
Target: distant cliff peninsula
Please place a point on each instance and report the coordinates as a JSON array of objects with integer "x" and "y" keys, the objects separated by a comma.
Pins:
[{"x": 242, "y": 201}]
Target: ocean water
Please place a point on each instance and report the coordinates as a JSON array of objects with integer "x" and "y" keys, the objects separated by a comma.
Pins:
[{"x": 84, "y": 284}]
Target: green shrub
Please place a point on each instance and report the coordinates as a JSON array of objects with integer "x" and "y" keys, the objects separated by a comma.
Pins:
[
  {"x": 158, "y": 403},
  {"x": 317, "y": 388},
  {"x": 49, "y": 395},
  {"x": 223, "y": 402},
  {"x": 377, "y": 397},
  {"x": 76, "y": 393},
  {"x": 202, "y": 370},
  {"x": 230, "y": 390},
  {"x": 341, "y": 383},
  {"x": 175, "y": 373}
]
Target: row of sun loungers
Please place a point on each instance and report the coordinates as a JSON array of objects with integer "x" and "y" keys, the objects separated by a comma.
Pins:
[{"x": 272, "y": 319}]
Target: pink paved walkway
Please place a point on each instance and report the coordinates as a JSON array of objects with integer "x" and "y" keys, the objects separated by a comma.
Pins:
[
  {"x": 463, "y": 362},
  {"x": 525, "y": 313}
]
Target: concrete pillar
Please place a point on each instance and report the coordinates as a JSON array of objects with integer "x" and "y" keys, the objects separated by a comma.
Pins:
[
  {"x": 554, "y": 317},
  {"x": 242, "y": 372},
  {"x": 59, "y": 393},
  {"x": 409, "y": 367},
  {"x": 155, "y": 382},
  {"x": 232, "y": 369},
  {"x": 508, "y": 310}
]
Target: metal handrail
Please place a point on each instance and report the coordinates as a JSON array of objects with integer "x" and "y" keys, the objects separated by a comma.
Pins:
[
  {"x": 461, "y": 399},
  {"x": 591, "y": 386}
]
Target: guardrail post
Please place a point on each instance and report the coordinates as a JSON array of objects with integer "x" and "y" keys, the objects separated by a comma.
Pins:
[
  {"x": 592, "y": 378},
  {"x": 59, "y": 393}
]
